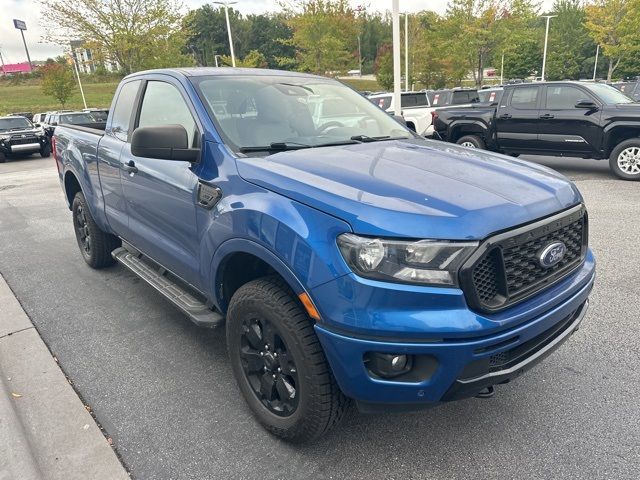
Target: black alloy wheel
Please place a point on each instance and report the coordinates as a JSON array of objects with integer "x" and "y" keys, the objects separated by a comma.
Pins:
[{"x": 268, "y": 366}]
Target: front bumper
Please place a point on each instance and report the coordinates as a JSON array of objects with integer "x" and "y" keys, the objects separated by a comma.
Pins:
[
  {"x": 466, "y": 351},
  {"x": 19, "y": 144}
]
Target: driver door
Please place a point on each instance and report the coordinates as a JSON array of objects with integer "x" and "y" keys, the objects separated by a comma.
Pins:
[{"x": 161, "y": 194}]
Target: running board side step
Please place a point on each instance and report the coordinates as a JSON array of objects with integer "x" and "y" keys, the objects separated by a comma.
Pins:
[{"x": 173, "y": 290}]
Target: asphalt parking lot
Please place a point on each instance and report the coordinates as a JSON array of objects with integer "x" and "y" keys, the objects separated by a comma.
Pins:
[{"x": 164, "y": 392}]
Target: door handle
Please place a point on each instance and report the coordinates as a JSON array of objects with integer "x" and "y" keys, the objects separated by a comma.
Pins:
[
  {"x": 546, "y": 116},
  {"x": 130, "y": 167},
  {"x": 505, "y": 116}
]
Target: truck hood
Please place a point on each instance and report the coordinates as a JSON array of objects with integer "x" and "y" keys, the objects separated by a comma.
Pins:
[{"x": 415, "y": 188}]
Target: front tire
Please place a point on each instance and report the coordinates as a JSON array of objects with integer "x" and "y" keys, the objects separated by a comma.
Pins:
[
  {"x": 3, "y": 157},
  {"x": 45, "y": 150},
  {"x": 471, "y": 141},
  {"x": 95, "y": 245},
  {"x": 624, "y": 160},
  {"x": 279, "y": 364}
]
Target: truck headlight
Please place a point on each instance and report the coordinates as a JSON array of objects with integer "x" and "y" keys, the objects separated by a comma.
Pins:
[{"x": 428, "y": 262}]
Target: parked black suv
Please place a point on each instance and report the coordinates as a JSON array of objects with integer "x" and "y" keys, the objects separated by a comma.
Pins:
[
  {"x": 573, "y": 119},
  {"x": 19, "y": 136}
]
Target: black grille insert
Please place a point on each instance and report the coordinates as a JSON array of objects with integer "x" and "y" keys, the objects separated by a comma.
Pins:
[
  {"x": 506, "y": 269},
  {"x": 19, "y": 140}
]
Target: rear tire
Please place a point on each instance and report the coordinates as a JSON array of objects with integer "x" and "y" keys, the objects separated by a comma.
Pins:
[
  {"x": 624, "y": 160},
  {"x": 95, "y": 245},
  {"x": 471, "y": 141},
  {"x": 279, "y": 364}
]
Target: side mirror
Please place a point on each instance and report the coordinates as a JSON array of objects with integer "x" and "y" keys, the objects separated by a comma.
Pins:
[
  {"x": 588, "y": 104},
  {"x": 163, "y": 142},
  {"x": 37, "y": 125}
]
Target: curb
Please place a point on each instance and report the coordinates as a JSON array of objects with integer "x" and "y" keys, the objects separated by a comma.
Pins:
[{"x": 45, "y": 431}]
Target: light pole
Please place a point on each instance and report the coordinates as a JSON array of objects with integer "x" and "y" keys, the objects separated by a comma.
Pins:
[
  {"x": 395, "y": 17},
  {"x": 502, "y": 70},
  {"x": 595, "y": 66},
  {"x": 406, "y": 52},
  {"x": 226, "y": 14},
  {"x": 546, "y": 38}
]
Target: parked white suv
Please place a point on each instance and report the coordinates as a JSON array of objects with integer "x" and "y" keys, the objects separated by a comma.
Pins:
[{"x": 416, "y": 109}]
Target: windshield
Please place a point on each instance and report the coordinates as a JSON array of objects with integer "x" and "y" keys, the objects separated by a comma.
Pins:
[
  {"x": 608, "y": 94},
  {"x": 254, "y": 111},
  {"x": 14, "y": 123},
  {"x": 77, "y": 118}
]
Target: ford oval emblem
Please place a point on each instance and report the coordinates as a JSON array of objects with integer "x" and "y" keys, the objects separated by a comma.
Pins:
[{"x": 552, "y": 254}]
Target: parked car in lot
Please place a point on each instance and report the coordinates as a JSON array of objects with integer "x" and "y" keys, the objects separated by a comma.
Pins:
[
  {"x": 452, "y": 96},
  {"x": 587, "y": 120},
  {"x": 490, "y": 95},
  {"x": 18, "y": 136},
  {"x": 631, "y": 89},
  {"x": 81, "y": 119},
  {"x": 349, "y": 262},
  {"x": 416, "y": 109}
]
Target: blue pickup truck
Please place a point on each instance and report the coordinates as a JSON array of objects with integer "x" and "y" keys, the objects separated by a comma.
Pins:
[{"x": 350, "y": 259}]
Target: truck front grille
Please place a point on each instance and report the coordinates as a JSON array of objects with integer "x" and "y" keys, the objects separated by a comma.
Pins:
[
  {"x": 19, "y": 140},
  {"x": 506, "y": 269}
]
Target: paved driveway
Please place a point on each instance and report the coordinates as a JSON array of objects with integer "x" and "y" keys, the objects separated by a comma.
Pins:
[{"x": 163, "y": 389}]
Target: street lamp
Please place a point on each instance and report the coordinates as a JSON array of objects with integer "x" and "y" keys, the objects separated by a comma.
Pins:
[
  {"x": 406, "y": 52},
  {"x": 226, "y": 14},
  {"x": 546, "y": 38},
  {"x": 395, "y": 21}
]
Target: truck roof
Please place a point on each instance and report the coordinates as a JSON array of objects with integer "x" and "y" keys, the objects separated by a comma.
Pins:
[{"x": 223, "y": 71}]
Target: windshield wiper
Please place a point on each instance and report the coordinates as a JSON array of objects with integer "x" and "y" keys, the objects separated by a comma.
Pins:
[
  {"x": 275, "y": 147},
  {"x": 367, "y": 139}
]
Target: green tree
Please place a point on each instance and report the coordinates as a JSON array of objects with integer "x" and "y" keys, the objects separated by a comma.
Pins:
[
  {"x": 269, "y": 35},
  {"x": 571, "y": 51},
  {"x": 137, "y": 34},
  {"x": 206, "y": 33},
  {"x": 324, "y": 35},
  {"x": 58, "y": 81},
  {"x": 384, "y": 67},
  {"x": 606, "y": 26},
  {"x": 474, "y": 29}
]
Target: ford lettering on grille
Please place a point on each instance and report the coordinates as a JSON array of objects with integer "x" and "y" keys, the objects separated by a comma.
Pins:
[{"x": 552, "y": 254}]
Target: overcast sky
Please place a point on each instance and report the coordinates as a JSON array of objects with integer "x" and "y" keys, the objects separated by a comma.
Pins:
[{"x": 29, "y": 11}]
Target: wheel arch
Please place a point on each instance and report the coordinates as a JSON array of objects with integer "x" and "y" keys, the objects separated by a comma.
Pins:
[
  {"x": 619, "y": 134},
  {"x": 238, "y": 261},
  {"x": 459, "y": 130},
  {"x": 71, "y": 187}
]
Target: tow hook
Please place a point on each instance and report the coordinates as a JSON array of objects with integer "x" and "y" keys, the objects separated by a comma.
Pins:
[{"x": 486, "y": 392}]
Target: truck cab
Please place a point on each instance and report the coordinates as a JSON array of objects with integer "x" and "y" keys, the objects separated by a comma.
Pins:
[{"x": 349, "y": 260}]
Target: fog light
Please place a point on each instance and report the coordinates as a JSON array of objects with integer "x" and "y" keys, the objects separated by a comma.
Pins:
[{"x": 387, "y": 365}]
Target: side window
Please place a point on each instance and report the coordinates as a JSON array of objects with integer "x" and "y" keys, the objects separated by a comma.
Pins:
[
  {"x": 382, "y": 102},
  {"x": 122, "y": 111},
  {"x": 163, "y": 105},
  {"x": 564, "y": 97},
  {"x": 525, "y": 98},
  {"x": 414, "y": 100}
]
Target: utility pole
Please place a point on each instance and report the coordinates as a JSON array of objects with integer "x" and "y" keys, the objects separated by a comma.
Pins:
[
  {"x": 395, "y": 15},
  {"x": 226, "y": 14},
  {"x": 595, "y": 66},
  {"x": 22, "y": 26},
  {"x": 406, "y": 52},
  {"x": 359, "y": 57},
  {"x": 546, "y": 39}
]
